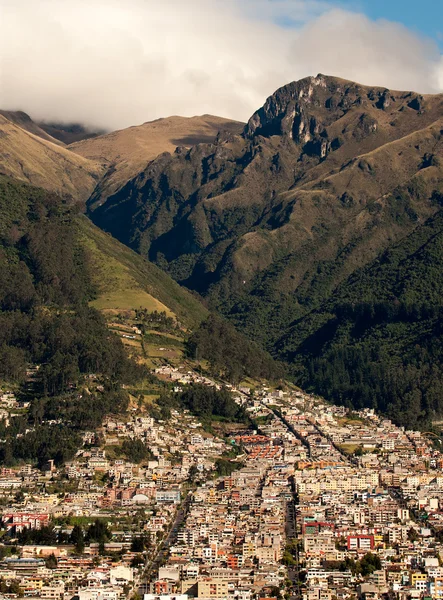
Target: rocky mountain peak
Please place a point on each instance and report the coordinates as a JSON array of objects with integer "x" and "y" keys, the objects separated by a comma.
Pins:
[
  {"x": 293, "y": 110},
  {"x": 305, "y": 111}
]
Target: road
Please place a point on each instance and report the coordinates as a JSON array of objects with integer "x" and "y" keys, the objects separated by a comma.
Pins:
[{"x": 162, "y": 548}]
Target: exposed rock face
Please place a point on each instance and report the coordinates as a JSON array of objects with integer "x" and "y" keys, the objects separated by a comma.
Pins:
[
  {"x": 305, "y": 109},
  {"x": 289, "y": 112}
]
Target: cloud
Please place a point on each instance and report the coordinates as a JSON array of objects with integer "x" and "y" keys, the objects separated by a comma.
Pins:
[{"x": 114, "y": 63}]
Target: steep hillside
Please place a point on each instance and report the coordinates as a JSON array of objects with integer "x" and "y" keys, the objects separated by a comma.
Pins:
[
  {"x": 24, "y": 121},
  {"x": 54, "y": 349},
  {"x": 127, "y": 152},
  {"x": 123, "y": 280},
  {"x": 378, "y": 340},
  {"x": 27, "y": 157},
  {"x": 292, "y": 207},
  {"x": 57, "y": 351},
  {"x": 68, "y": 133}
]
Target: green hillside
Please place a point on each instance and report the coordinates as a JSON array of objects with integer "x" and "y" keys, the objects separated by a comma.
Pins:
[
  {"x": 123, "y": 280},
  {"x": 55, "y": 350},
  {"x": 378, "y": 342}
]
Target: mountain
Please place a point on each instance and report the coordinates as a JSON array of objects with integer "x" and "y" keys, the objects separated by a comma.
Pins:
[
  {"x": 68, "y": 133},
  {"x": 377, "y": 341},
  {"x": 268, "y": 224},
  {"x": 24, "y": 121},
  {"x": 71, "y": 296},
  {"x": 28, "y": 154},
  {"x": 123, "y": 280},
  {"x": 74, "y": 161},
  {"x": 126, "y": 152},
  {"x": 301, "y": 197}
]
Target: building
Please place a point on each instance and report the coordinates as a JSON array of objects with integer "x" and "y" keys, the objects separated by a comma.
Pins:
[
  {"x": 168, "y": 496},
  {"x": 210, "y": 587}
]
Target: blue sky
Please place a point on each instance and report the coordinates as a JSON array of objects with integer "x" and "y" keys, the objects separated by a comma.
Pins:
[{"x": 423, "y": 16}]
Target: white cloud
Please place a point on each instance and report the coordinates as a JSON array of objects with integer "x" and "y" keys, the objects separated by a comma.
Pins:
[{"x": 113, "y": 63}]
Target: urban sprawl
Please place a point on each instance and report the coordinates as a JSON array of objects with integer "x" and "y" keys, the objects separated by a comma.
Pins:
[{"x": 315, "y": 502}]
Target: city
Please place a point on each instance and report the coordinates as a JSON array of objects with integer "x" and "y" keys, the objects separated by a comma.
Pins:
[{"x": 315, "y": 502}]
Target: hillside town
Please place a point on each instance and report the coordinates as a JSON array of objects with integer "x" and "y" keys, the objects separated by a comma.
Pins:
[{"x": 311, "y": 501}]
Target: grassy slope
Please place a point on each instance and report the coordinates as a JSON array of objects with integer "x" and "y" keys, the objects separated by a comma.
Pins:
[
  {"x": 125, "y": 280},
  {"x": 29, "y": 158},
  {"x": 24, "y": 121}
]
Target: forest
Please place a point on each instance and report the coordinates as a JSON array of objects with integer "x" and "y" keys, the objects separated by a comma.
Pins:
[
  {"x": 206, "y": 402},
  {"x": 51, "y": 342},
  {"x": 230, "y": 354},
  {"x": 377, "y": 342}
]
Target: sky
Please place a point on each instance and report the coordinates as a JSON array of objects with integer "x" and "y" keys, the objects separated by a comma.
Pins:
[
  {"x": 424, "y": 17},
  {"x": 115, "y": 63}
]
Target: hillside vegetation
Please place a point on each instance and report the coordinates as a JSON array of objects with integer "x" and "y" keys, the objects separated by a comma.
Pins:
[
  {"x": 51, "y": 341},
  {"x": 269, "y": 225},
  {"x": 378, "y": 341},
  {"x": 230, "y": 354},
  {"x": 123, "y": 280}
]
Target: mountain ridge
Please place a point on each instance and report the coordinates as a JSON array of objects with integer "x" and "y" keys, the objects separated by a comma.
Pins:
[
  {"x": 126, "y": 152},
  {"x": 28, "y": 157}
]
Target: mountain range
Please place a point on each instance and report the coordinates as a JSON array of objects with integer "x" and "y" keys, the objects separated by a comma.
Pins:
[{"x": 315, "y": 228}]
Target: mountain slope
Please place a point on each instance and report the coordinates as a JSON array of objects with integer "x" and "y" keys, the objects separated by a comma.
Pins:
[
  {"x": 377, "y": 341},
  {"x": 127, "y": 152},
  {"x": 289, "y": 209},
  {"x": 24, "y": 121},
  {"x": 46, "y": 324},
  {"x": 68, "y": 133},
  {"x": 56, "y": 270},
  {"x": 272, "y": 226},
  {"x": 123, "y": 280},
  {"x": 42, "y": 163}
]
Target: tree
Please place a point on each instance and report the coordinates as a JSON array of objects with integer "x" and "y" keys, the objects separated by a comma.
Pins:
[
  {"x": 369, "y": 563},
  {"x": 193, "y": 472},
  {"x": 224, "y": 467},
  {"x": 137, "y": 544},
  {"x": 135, "y": 450},
  {"x": 51, "y": 562},
  {"x": 288, "y": 559},
  {"x": 78, "y": 539},
  {"x": 98, "y": 531},
  {"x": 137, "y": 560}
]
